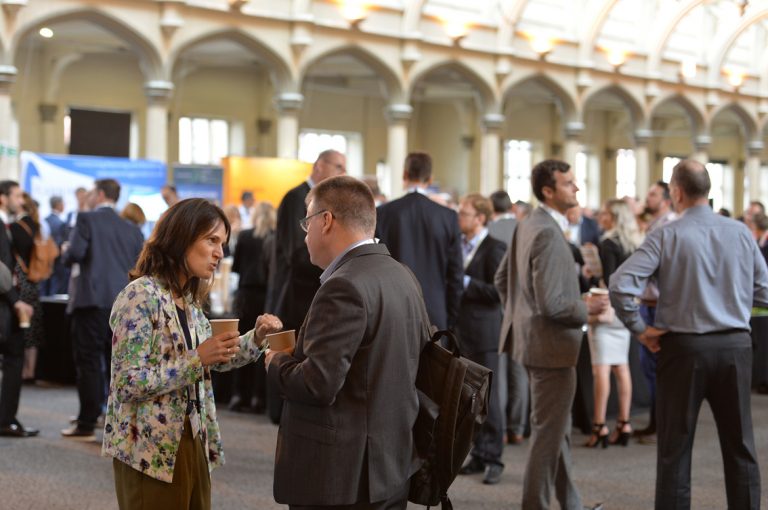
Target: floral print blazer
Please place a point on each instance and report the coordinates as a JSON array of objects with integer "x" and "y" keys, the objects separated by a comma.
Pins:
[{"x": 151, "y": 371}]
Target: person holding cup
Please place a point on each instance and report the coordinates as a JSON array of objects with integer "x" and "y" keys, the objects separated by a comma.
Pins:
[{"x": 161, "y": 423}]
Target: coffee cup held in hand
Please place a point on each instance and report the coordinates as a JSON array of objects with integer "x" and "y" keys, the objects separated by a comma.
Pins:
[
  {"x": 284, "y": 340},
  {"x": 223, "y": 325},
  {"x": 597, "y": 291}
]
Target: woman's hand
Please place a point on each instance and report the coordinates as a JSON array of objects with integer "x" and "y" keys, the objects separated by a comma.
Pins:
[
  {"x": 219, "y": 348},
  {"x": 267, "y": 324}
]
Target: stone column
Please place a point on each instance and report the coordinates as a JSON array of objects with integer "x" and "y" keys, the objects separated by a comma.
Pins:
[
  {"x": 288, "y": 107},
  {"x": 398, "y": 117},
  {"x": 700, "y": 149},
  {"x": 9, "y": 134},
  {"x": 48, "y": 113},
  {"x": 573, "y": 132},
  {"x": 490, "y": 164},
  {"x": 752, "y": 169},
  {"x": 643, "y": 162},
  {"x": 158, "y": 94}
]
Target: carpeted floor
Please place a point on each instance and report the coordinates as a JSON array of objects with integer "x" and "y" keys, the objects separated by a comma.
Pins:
[{"x": 52, "y": 473}]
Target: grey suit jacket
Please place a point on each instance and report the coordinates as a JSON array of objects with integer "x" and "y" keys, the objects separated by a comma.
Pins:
[
  {"x": 540, "y": 292},
  {"x": 349, "y": 387},
  {"x": 502, "y": 229}
]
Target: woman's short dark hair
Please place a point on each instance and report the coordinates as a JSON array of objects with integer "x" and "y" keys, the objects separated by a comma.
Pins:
[
  {"x": 543, "y": 175},
  {"x": 164, "y": 253}
]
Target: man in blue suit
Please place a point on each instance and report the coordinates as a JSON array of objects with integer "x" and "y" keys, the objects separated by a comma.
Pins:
[
  {"x": 106, "y": 247},
  {"x": 425, "y": 236}
]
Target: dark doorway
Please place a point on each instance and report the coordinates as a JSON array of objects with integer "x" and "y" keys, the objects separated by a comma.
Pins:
[{"x": 100, "y": 133}]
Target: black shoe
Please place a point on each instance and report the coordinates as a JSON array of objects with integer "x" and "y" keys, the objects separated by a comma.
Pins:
[
  {"x": 493, "y": 474},
  {"x": 17, "y": 430},
  {"x": 473, "y": 467},
  {"x": 79, "y": 433}
]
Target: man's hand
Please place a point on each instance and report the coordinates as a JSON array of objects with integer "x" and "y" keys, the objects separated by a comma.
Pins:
[
  {"x": 270, "y": 353},
  {"x": 596, "y": 305},
  {"x": 267, "y": 324},
  {"x": 219, "y": 348},
  {"x": 23, "y": 308},
  {"x": 650, "y": 338}
]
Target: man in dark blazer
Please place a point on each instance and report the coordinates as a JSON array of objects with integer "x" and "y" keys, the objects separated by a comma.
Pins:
[
  {"x": 425, "y": 236},
  {"x": 479, "y": 326},
  {"x": 542, "y": 299},
  {"x": 293, "y": 279},
  {"x": 106, "y": 248},
  {"x": 345, "y": 437},
  {"x": 57, "y": 283},
  {"x": 11, "y": 337},
  {"x": 581, "y": 229}
]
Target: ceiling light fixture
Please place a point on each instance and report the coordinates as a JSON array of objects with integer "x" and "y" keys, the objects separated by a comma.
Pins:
[
  {"x": 616, "y": 56},
  {"x": 45, "y": 32},
  {"x": 541, "y": 44},
  {"x": 354, "y": 11},
  {"x": 456, "y": 28},
  {"x": 735, "y": 76},
  {"x": 688, "y": 68}
]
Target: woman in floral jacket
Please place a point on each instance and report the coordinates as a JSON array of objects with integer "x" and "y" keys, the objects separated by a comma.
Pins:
[{"x": 161, "y": 423}]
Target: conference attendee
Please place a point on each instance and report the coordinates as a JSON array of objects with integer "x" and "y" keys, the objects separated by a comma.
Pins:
[
  {"x": 134, "y": 214},
  {"x": 581, "y": 229},
  {"x": 658, "y": 202},
  {"x": 106, "y": 247},
  {"x": 425, "y": 236},
  {"x": 755, "y": 207},
  {"x": 169, "y": 194},
  {"x": 23, "y": 233},
  {"x": 293, "y": 278},
  {"x": 12, "y": 308},
  {"x": 542, "y": 299},
  {"x": 701, "y": 335},
  {"x": 57, "y": 283},
  {"x": 251, "y": 261},
  {"x": 479, "y": 325},
  {"x": 345, "y": 437},
  {"x": 521, "y": 210},
  {"x": 232, "y": 212},
  {"x": 160, "y": 426},
  {"x": 760, "y": 231},
  {"x": 608, "y": 338},
  {"x": 82, "y": 197},
  {"x": 502, "y": 225},
  {"x": 246, "y": 208}
]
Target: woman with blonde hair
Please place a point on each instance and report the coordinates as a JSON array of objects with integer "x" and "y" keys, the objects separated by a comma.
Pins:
[
  {"x": 252, "y": 256},
  {"x": 608, "y": 338}
]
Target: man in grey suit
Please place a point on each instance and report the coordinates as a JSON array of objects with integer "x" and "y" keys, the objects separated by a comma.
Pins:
[
  {"x": 345, "y": 437},
  {"x": 542, "y": 300},
  {"x": 106, "y": 247}
]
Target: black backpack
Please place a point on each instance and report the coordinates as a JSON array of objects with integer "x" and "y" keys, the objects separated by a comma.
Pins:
[{"x": 453, "y": 403}]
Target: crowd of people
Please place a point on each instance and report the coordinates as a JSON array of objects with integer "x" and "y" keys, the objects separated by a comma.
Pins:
[{"x": 362, "y": 281}]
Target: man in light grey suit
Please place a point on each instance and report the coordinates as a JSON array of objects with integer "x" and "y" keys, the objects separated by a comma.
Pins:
[{"x": 542, "y": 300}]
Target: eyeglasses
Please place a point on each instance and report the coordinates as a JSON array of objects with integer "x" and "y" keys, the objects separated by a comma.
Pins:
[{"x": 304, "y": 222}]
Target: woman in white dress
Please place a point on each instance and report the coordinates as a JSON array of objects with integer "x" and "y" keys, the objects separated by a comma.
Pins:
[{"x": 608, "y": 338}]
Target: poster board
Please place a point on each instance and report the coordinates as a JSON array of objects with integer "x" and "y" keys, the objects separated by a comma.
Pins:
[{"x": 268, "y": 178}]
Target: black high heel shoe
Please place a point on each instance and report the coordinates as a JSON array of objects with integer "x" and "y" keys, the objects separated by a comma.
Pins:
[
  {"x": 598, "y": 438},
  {"x": 621, "y": 437}
]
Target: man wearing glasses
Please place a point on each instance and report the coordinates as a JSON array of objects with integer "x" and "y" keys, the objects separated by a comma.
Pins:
[
  {"x": 293, "y": 278},
  {"x": 345, "y": 438}
]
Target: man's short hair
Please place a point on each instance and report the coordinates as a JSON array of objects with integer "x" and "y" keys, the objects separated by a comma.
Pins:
[
  {"x": 501, "y": 201},
  {"x": 692, "y": 178},
  {"x": 7, "y": 186},
  {"x": 110, "y": 187},
  {"x": 481, "y": 204},
  {"x": 665, "y": 189},
  {"x": 760, "y": 221},
  {"x": 56, "y": 201},
  {"x": 247, "y": 195},
  {"x": 349, "y": 200},
  {"x": 543, "y": 175},
  {"x": 759, "y": 204},
  {"x": 418, "y": 167}
]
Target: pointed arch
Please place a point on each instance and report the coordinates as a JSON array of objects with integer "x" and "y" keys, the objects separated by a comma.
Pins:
[
  {"x": 279, "y": 70},
  {"x": 150, "y": 62},
  {"x": 488, "y": 100},
  {"x": 390, "y": 77},
  {"x": 716, "y": 63},
  {"x": 748, "y": 123},
  {"x": 566, "y": 102},
  {"x": 633, "y": 105},
  {"x": 695, "y": 116},
  {"x": 666, "y": 31}
]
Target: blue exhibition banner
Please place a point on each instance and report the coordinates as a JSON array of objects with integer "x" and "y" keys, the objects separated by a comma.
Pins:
[
  {"x": 199, "y": 181},
  {"x": 46, "y": 175}
]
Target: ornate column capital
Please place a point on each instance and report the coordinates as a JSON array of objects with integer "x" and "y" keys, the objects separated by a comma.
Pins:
[
  {"x": 47, "y": 111},
  {"x": 289, "y": 102},
  {"x": 493, "y": 121},
  {"x": 574, "y": 129},
  {"x": 702, "y": 142},
  {"x": 643, "y": 136},
  {"x": 399, "y": 112},
  {"x": 158, "y": 91},
  {"x": 755, "y": 148}
]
